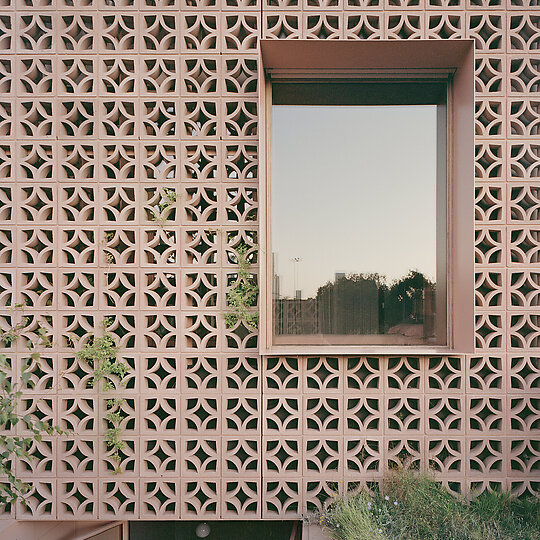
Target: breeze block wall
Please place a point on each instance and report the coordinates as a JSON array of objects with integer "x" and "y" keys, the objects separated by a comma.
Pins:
[{"x": 111, "y": 108}]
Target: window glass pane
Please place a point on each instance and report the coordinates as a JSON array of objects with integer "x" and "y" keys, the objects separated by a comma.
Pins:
[{"x": 354, "y": 224}]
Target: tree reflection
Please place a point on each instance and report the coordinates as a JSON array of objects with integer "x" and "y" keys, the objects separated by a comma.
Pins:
[{"x": 362, "y": 304}]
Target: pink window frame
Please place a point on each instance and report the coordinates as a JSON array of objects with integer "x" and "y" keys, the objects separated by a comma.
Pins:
[{"x": 297, "y": 59}]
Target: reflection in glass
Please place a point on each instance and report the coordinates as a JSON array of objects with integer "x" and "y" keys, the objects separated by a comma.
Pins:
[{"x": 354, "y": 224}]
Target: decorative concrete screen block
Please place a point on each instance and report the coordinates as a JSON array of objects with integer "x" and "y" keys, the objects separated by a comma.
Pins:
[{"x": 132, "y": 181}]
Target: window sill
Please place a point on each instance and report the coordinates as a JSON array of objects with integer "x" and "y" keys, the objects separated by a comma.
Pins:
[{"x": 357, "y": 350}]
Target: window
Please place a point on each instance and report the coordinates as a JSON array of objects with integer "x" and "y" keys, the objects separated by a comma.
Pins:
[
  {"x": 361, "y": 259},
  {"x": 363, "y": 242}
]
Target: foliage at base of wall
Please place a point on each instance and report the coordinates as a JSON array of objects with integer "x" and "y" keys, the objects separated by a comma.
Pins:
[{"x": 411, "y": 505}]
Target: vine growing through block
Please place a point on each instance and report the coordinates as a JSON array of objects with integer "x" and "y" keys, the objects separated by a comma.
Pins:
[
  {"x": 101, "y": 354},
  {"x": 13, "y": 446},
  {"x": 242, "y": 296}
]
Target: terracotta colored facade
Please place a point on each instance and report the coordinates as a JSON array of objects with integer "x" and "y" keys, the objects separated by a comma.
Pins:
[{"x": 106, "y": 107}]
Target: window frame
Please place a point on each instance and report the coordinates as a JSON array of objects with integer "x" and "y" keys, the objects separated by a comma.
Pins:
[{"x": 405, "y": 61}]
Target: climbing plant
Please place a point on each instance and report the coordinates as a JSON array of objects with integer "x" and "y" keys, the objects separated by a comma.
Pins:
[
  {"x": 242, "y": 296},
  {"x": 160, "y": 213},
  {"x": 15, "y": 447},
  {"x": 114, "y": 417},
  {"x": 101, "y": 354}
]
